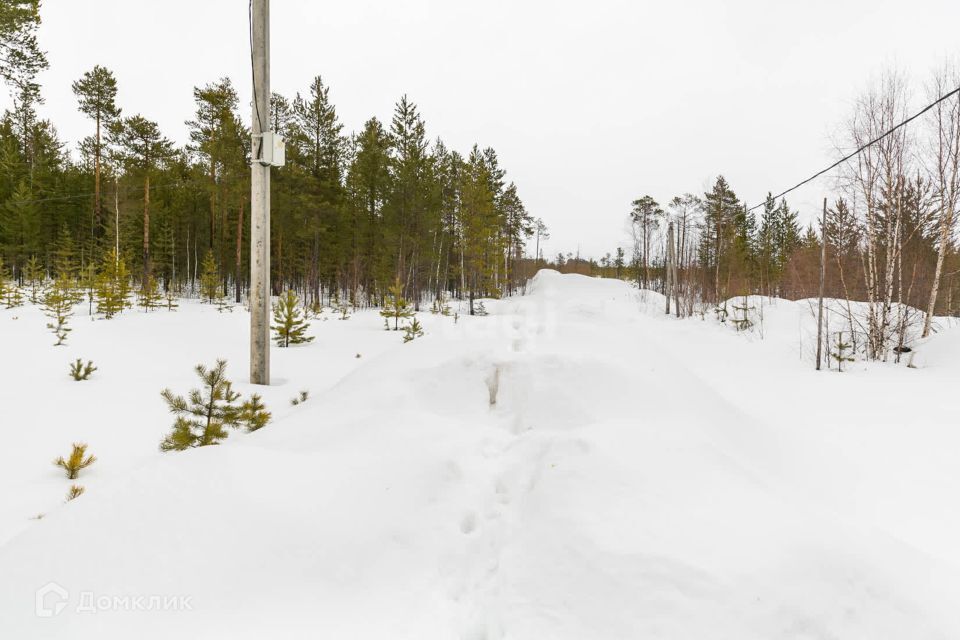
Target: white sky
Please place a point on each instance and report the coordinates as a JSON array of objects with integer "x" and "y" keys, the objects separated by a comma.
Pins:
[{"x": 589, "y": 104}]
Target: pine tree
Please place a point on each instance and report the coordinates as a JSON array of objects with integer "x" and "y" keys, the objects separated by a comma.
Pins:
[
  {"x": 840, "y": 351},
  {"x": 96, "y": 94},
  {"x": 290, "y": 324},
  {"x": 13, "y": 297},
  {"x": 210, "y": 290},
  {"x": 21, "y": 58},
  {"x": 149, "y": 296},
  {"x": 33, "y": 275},
  {"x": 141, "y": 148},
  {"x": 88, "y": 284},
  {"x": 113, "y": 286},
  {"x": 6, "y": 284},
  {"x": 395, "y": 307},
  {"x": 77, "y": 461},
  {"x": 58, "y": 303},
  {"x": 75, "y": 492},
  {"x": 253, "y": 414},
  {"x": 204, "y": 415},
  {"x": 80, "y": 371},
  {"x": 170, "y": 300},
  {"x": 412, "y": 331}
]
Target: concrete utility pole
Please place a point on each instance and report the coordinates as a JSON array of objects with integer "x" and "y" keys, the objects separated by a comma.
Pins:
[
  {"x": 260, "y": 198},
  {"x": 823, "y": 267}
]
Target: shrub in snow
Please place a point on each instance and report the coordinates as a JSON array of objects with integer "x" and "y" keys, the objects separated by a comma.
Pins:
[
  {"x": 74, "y": 492},
  {"x": 80, "y": 371},
  {"x": 395, "y": 307},
  {"x": 301, "y": 398},
  {"x": 289, "y": 322},
  {"x": 76, "y": 461},
  {"x": 412, "y": 331},
  {"x": 204, "y": 415}
]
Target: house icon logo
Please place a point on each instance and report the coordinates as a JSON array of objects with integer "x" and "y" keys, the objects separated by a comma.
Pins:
[{"x": 51, "y": 599}]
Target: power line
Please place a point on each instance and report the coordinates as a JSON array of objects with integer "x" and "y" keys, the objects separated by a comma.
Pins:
[{"x": 869, "y": 144}]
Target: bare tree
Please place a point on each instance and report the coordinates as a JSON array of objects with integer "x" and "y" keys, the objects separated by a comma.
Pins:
[
  {"x": 945, "y": 172},
  {"x": 878, "y": 178}
]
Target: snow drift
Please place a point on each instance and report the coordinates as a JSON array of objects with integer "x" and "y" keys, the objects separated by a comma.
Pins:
[{"x": 574, "y": 465}]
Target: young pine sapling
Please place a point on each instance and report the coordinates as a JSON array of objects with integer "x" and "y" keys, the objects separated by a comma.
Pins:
[
  {"x": 80, "y": 371},
  {"x": 204, "y": 415},
  {"x": 76, "y": 461},
  {"x": 289, "y": 322}
]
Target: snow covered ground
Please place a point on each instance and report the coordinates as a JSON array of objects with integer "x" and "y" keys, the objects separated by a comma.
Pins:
[{"x": 574, "y": 465}]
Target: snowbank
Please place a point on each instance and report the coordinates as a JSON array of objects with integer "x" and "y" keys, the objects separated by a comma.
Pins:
[{"x": 574, "y": 465}]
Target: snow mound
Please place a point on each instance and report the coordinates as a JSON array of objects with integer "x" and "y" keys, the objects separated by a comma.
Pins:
[{"x": 571, "y": 466}]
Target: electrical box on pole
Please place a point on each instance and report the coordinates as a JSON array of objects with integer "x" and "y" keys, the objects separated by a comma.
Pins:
[{"x": 273, "y": 149}]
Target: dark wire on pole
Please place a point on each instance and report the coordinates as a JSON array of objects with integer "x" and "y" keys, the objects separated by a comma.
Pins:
[
  {"x": 253, "y": 74},
  {"x": 867, "y": 145}
]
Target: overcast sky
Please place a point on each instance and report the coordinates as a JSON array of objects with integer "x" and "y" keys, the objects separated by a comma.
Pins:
[{"x": 589, "y": 104}]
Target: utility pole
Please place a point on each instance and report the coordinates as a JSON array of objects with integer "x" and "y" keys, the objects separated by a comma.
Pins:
[
  {"x": 823, "y": 267},
  {"x": 260, "y": 197}
]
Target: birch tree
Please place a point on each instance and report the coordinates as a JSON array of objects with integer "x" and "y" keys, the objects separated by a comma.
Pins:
[{"x": 945, "y": 170}]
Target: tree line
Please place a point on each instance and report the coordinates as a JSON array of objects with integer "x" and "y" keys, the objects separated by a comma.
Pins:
[
  {"x": 890, "y": 228},
  {"x": 352, "y": 213}
]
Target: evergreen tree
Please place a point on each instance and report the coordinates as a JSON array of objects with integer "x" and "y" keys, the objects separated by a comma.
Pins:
[
  {"x": 141, "y": 148},
  {"x": 412, "y": 331},
  {"x": 58, "y": 303},
  {"x": 254, "y": 414},
  {"x": 96, "y": 93},
  {"x": 210, "y": 290},
  {"x": 646, "y": 215},
  {"x": 395, "y": 307},
  {"x": 6, "y": 284},
  {"x": 80, "y": 371},
  {"x": 65, "y": 253},
  {"x": 170, "y": 300},
  {"x": 721, "y": 208},
  {"x": 34, "y": 277},
  {"x": 21, "y": 58},
  {"x": 77, "y": 461},
  {"x": 88, "y": 284},
  {"x": 290, "y": 324},
  {"x": 149, "y": 296},
  {"x": 113, "y": 286},
  {"x": 841, "y": 351},
  {"x": 205, "y": 414}
]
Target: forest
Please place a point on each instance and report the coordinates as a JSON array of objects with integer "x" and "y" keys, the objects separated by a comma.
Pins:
[
  {"x": 351, "y": 212},
  {"x": 354, "y": 213}
]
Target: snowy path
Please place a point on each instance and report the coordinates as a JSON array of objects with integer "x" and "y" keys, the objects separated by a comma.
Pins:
[{"x": 572, "y": 466}]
